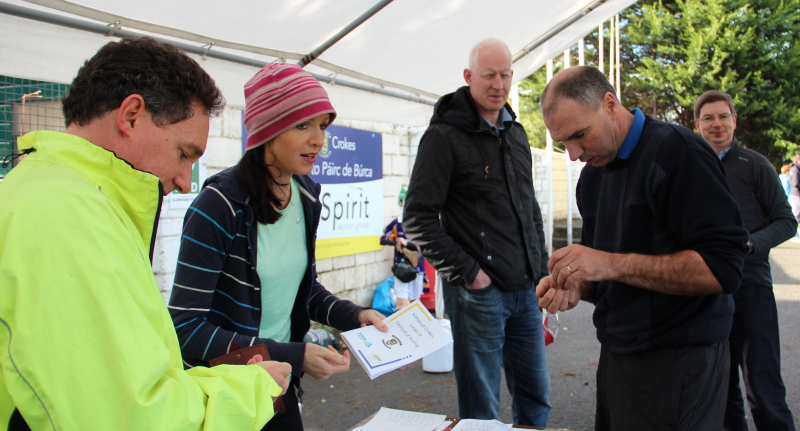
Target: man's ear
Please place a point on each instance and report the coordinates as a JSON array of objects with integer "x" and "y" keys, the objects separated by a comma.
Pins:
[
  {"x": 130, "y": 114},
  {"x": 610, "y": 103},
  {"x": 468, "y": 76}
]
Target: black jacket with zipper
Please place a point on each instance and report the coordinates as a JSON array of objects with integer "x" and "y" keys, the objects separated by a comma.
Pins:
[
  {"x": 766, "y": 213},
  {"x": 482, "y": 187}
]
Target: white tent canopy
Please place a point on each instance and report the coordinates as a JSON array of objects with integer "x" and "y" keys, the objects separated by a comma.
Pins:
[{"x": 411, "y": 48}]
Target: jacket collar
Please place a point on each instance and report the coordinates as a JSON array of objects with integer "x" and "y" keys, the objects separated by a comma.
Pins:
[
  {"x": 459, "y": 109},
  {"x": 231, "y": 184},
  {"x": 732, "y": 150},
  {"x": 138, "y": 193}
]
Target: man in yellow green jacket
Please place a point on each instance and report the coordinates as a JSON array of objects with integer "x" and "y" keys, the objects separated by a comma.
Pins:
[{"x": 86, "y": 342}]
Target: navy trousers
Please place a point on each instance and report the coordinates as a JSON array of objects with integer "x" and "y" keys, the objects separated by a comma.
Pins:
[
  {"x": 755, "y": 348},
  {"x": 673, "y": 389}
]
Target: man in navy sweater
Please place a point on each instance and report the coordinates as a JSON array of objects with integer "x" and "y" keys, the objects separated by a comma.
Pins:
[
  {"x": 661, "y": 251},
  {"x": 766, "y": 214}
]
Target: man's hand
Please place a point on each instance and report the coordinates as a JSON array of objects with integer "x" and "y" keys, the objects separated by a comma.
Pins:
[
  {"x": 554, "y": 299},
  {"x": 573, "y": 265},
  {"x": 321, "y": 363},
  {"x": 482, "y": 280},
  {"x": 372, "y": 317},
  {"x": 278, "y": 370}
]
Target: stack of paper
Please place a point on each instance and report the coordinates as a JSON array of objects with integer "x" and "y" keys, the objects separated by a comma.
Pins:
[
  {"x": 481, "y": 425},
  {"x": 401, "y": 420},
  {"x": 413, "y": 334}
]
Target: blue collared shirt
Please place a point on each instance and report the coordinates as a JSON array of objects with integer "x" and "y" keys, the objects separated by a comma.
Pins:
[
  {"x": 632, "y": 138},
  {"x": 504, "y": 116},
  {"x": 722, "y": 154}
]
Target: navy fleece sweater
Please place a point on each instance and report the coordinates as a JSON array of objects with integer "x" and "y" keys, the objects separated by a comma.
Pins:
[{"x": 670, "y": 195}]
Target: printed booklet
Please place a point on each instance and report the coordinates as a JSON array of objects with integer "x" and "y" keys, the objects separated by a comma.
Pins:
[{"x": 413, "y": 334}]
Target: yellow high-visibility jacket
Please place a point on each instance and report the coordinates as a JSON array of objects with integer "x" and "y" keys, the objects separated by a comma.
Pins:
[{"x": 86, "y": 342}]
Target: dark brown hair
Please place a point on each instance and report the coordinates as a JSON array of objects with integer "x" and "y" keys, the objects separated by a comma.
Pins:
[
  {"x": 258, "y": 182},
  {"x": 710, "y": 97},
  {"x": 166, "y": 78}
]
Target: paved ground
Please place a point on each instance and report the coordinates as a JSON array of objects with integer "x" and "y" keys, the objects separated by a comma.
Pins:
[{"x": 345, "y": 399}]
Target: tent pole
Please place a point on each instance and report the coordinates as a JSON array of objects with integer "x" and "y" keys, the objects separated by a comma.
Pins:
[
  {"x": 566, "y": 153},
  {"x": 548, "y": 234},
  {"x": 611, "y": 55},
  {"x": 308, "y": 58},
  {"x": 619, "y": 69},
  {"x": 600, "y": 48}
]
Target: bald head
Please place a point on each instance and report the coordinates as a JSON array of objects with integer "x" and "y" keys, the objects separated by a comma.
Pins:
[
  {"x": 487, "y": 43},
  {"x": 489, "y": 78},
  {"x": 585, "y": 85}
]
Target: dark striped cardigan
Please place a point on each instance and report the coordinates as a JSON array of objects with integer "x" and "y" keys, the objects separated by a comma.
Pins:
[{"x": 216, "y": 297}]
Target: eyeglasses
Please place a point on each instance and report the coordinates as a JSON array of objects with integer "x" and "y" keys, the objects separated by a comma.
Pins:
[{"x": 710, "y": 118}]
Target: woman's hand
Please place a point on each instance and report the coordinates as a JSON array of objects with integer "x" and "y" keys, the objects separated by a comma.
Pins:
[
  {"x": 372, "y": 317},
  {"x": 321, "y": 363},
  {"x": 401, "y": 242}
]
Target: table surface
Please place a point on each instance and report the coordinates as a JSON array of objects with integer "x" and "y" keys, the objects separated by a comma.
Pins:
[{"x": 364, "y": 422}]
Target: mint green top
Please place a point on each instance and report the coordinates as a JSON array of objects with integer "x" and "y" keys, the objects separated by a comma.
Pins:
[{"x": 281, "y": 263}]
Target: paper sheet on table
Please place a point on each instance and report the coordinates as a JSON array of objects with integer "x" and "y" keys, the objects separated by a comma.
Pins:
[
  {"x": 413, "y": 334},
  {"x": 400, "y": 420},
  {"x": 481, "y": 425}
]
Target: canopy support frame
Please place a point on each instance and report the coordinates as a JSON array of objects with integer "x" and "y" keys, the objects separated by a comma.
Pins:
[{"x": 308, "y": 58}]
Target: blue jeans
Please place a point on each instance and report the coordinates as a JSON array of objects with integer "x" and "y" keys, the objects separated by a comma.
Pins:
[{"x": 492, "y": 328}]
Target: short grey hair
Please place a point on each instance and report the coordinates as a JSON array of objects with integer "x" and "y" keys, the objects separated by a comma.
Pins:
[
  {"x": 587, "y": 87},
  {"x": 476, "y": 50}
]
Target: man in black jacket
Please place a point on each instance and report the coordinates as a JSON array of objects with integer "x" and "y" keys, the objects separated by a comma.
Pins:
[
  {"x": 754, "y": 340},
  {"x": 661, "y": 251},
  {"x": 472, "y": 211}
]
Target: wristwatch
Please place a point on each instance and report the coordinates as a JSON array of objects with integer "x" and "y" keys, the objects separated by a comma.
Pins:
[{"x": 752, "y": 249}]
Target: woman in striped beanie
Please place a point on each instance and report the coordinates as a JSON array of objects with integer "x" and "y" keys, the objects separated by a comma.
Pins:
[{"x": 246, "y": 271}]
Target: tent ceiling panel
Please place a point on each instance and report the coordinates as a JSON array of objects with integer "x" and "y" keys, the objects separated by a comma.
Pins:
[
  {"x": 66, "y": 49},
  {"x": 417, "y": 44},
  {"x": 267, "y": 23},
  {"x": 409, "y": 47}
]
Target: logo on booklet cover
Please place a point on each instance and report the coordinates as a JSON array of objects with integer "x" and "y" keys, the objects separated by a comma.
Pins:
[
  {"x": 392, "y": 342},
  {"x": 364, "y": 339}
]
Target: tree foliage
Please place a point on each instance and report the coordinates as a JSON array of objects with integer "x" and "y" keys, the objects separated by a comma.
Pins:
[
  {"x": 531, "y": 88},
  {"x": 530, "y": 116},
  {"x": 675, "y": 50}
]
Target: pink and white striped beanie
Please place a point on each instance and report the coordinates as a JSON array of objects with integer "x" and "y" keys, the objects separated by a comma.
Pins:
[{"x": 279, "y": 97}]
